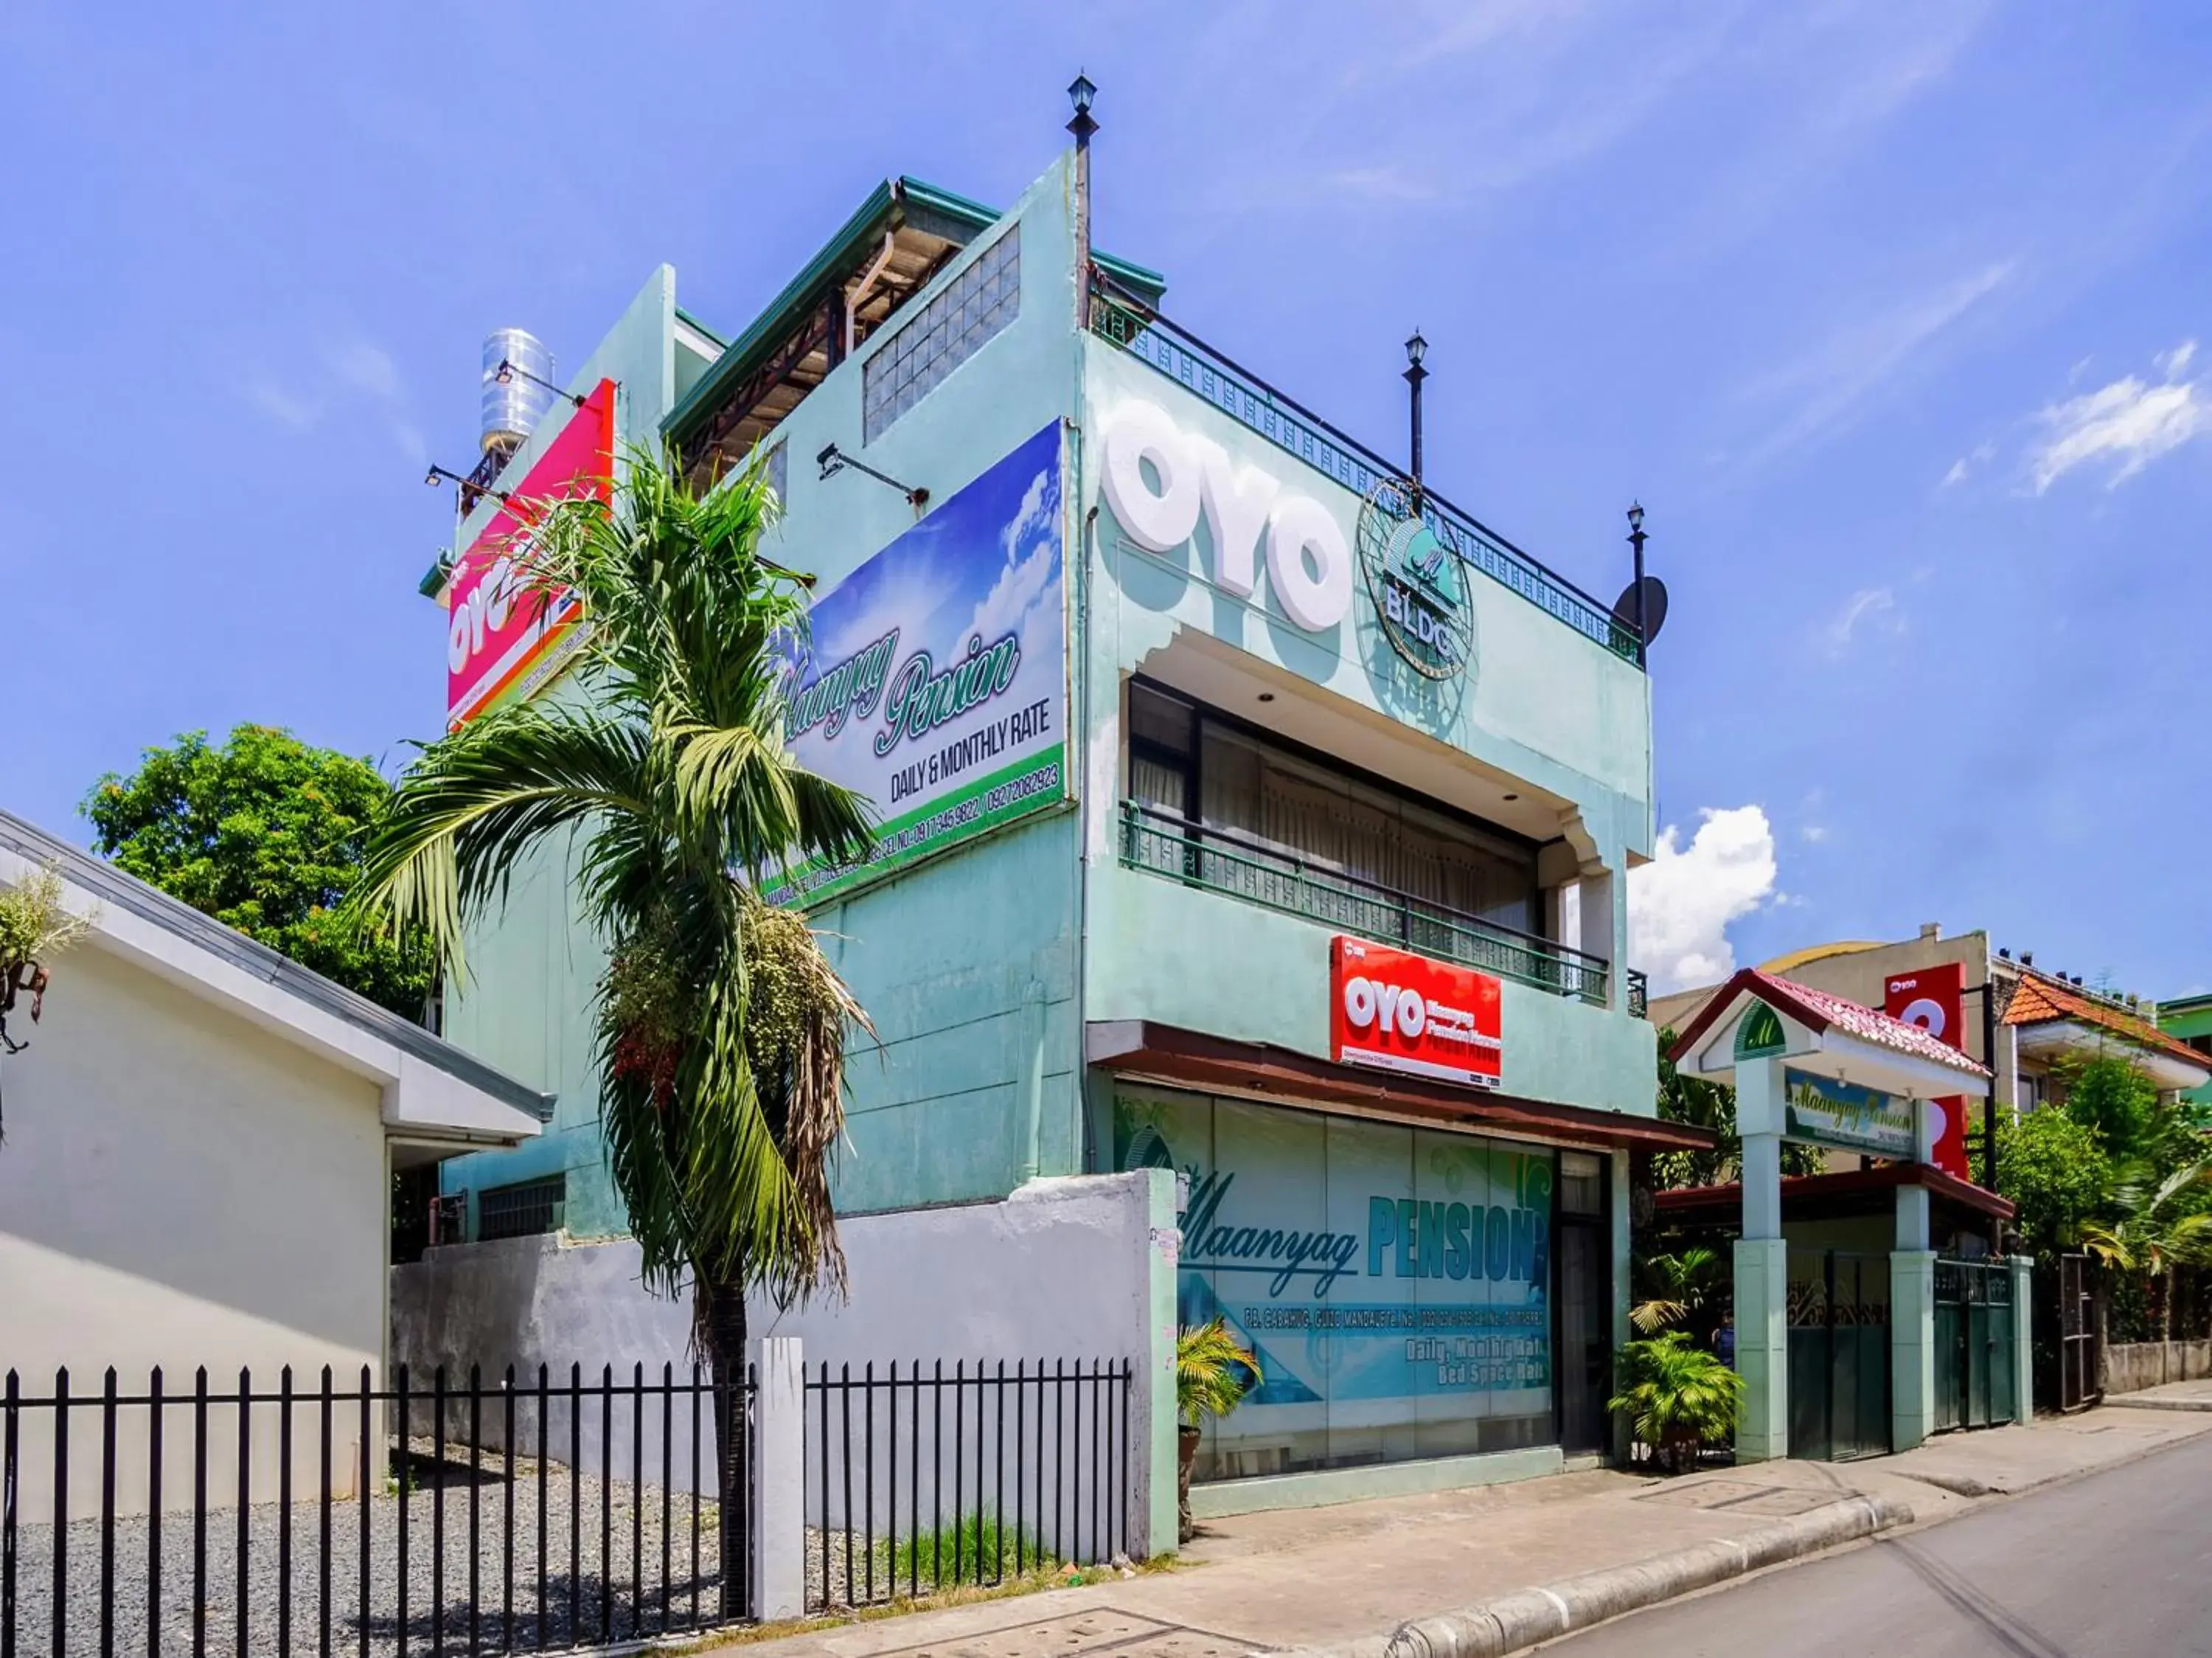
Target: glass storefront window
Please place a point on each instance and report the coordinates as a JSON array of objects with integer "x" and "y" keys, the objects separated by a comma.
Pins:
[{"x": 1395, "y": 1282}]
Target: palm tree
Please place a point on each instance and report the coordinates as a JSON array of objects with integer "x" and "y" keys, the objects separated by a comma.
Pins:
[
  {"x": 1677, "y": 1397},
  {"x": 720, "y": 1025},
  {"x": 1678, "y": 1289},
  {"x": 2151, "y": 1233}
]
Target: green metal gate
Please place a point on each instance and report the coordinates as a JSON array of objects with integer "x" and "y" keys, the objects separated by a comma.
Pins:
[
  {"x": 1838, "y": 1355},
  {"x": 1975, "y": 1379}
]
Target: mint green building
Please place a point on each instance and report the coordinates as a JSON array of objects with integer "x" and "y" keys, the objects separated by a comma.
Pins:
[
  {"x": 1250, "y": 812},
  {"x": 2188, "y": 1020}
]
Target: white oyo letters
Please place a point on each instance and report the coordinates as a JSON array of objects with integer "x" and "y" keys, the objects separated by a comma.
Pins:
[
  {"x": 1159, "y": 520},
  {"x": 1236, "y": 502},
  {"x": 1401, "y": 1010},
  {"x": 1314, "y": 598},
  {"x": 1308, "y": 562}
]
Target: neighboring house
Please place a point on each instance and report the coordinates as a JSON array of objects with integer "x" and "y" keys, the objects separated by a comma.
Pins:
[
  {"x": 1250, "y": 814},
  {"x": 200, "y": 1141},
  {"x": 2022, "y": 1022},
  {"x": 2188, "y": 1019}
]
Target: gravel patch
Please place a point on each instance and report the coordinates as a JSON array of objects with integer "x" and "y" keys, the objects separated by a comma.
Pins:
[{"x": 617, "y": 1566}]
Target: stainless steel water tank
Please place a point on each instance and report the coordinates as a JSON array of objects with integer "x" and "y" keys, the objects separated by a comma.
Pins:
[{"x": 512, "y": 412}]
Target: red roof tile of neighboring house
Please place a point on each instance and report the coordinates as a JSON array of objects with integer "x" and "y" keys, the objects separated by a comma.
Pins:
[
  {"x": 1818, "y": 1010},
  {"x": 2037, "y": 1000}
]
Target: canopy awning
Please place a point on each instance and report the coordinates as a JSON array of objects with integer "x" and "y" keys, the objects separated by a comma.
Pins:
[{"x": 1141, "y": 1049}]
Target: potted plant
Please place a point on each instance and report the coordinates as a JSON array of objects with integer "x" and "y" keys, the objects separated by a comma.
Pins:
[
  {"x": 1679, "y": 1398},
  {"x": 1213, "y": 1375},
  {"x": 34, "y": 927}
]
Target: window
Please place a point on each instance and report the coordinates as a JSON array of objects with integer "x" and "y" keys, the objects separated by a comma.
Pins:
[
  {"x": 1185, "y": 763},
  {"x": 949, "y": 329},
  {"x": 1581, "y": 1184},
  {"x": 523, "y": 1210}
]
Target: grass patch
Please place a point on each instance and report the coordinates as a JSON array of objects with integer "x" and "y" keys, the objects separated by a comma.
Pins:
[{"x": 975, "y": 1546}]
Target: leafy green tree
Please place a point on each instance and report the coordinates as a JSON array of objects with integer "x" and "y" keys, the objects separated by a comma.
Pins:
[
  {"x": 1692, "y": 1099},
  {"x": 720, "y": 1025},
  {"x": 2056, "y": 1174},
  {"x": 265, "y": 833},
  {"x": 2106, "y": 1092}
]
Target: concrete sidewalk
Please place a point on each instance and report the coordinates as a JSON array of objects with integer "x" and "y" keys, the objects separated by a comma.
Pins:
[
  {"x": 2173, "y": 1396},
  {"x": 1345, "y": 1577}
]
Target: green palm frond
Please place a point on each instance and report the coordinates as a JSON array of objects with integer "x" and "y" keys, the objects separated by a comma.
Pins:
[
  {"x": 1213, "y": 1372},
  {"x": 721, "y": 1022}
]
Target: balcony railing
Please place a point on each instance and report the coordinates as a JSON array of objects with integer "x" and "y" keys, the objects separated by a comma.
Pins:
[
  {"x": 1639, "y": 994},
  {"x": 1220, "y": 862},
  {"x": 1122, "y": 319}
]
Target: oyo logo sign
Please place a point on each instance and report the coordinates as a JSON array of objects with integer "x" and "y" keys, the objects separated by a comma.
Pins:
[
  {"x": 1398, "y": 1011},
  {"x": 1159, "y": 479},
  {"x": 1401, "y": 1010},
  {"x": 483, "y": 612}
]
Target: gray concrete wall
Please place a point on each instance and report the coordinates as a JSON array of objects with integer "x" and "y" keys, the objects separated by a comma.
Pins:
[
  {"x": 2131, "y": 1367},
  {"x": 1065, "y": 1270}
]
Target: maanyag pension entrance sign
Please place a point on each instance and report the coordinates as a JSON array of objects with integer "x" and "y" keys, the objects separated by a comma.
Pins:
[
  {"x": 933, "y": 680},
  {"x": 1845, "y": 1117},
  {"x": 1395, "y": 1282}
]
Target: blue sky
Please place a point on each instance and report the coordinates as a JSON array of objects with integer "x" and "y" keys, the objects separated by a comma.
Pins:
[{"x": 1884, "y": 311}]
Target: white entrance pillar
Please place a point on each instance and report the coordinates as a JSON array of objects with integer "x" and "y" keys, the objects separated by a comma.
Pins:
[
  {"x": 2023, "y": 1331},
  {"x": 1762, "y": 1267},
  {"x": 1911, "y": 1321}
]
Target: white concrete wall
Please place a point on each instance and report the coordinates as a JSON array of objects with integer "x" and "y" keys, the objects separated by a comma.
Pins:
[
  {"x": 1064, "y": 1269},
  {"x": 181, "y": 1188}
]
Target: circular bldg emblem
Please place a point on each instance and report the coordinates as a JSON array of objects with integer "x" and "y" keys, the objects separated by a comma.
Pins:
[{"x": 1417, "y": 584}]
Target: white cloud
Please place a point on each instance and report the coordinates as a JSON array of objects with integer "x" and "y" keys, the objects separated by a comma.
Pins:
[
  {"x": 1680, "y": 904},
  {"x": 1821, "y": 386},
  {"x": 1380, "y": 184},
  {"x": 2128, "y": 424},
  {"x": 1965, "y": 466},
  {"x": 1869, "y": 608},
  {"x": 1815, "y": 832}
]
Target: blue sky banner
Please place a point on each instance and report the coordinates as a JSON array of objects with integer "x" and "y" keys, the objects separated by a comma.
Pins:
[
  {"x": 934, "y": 678},
  {"x": 1395, "y": 1282}
]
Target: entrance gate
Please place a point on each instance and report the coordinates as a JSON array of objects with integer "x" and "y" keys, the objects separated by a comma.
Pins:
[
  {"x": 1838, "y": 1355},
  {"x": 2077, "y": 1334},
  {"x": 1974, "y": 1374}
]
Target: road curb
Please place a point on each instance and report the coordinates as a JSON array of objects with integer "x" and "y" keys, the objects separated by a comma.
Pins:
[{"x": 1513, "y": 1621}]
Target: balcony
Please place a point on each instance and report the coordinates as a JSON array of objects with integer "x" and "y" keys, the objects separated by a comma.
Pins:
[
  {"x": 1217, "y": 861},
  {"x": 1131, "y": 323}
]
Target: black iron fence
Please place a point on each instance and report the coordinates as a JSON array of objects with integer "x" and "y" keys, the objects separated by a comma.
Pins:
[
  {"x": 432, "y": 1516},
  {"x": 923, "y": 1479}
]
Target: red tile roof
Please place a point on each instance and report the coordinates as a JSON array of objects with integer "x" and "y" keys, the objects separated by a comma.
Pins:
[
  {"x": 2037, "y": 1000},
  {"x": 1818, "y": 1010}
]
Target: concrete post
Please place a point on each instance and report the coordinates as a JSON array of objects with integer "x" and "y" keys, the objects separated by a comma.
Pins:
[
  {"x": 1762, "y": 1268},
  {"x": 1912, "y": 1346},
  {"x": 780, "y": 1482},
  {"x": 1762, "y": 1348},
  {"x": 1623, "y": 1243},
  {"x": 1153, "y": 1527},
  {"x": 2023, "y": 1350}
]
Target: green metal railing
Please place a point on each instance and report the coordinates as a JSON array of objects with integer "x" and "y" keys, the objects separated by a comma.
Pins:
[
  {"x": 1639, "y": 994},
  {"x": 1123, "y": 320},
  {"x": 1219, "y": 861}
]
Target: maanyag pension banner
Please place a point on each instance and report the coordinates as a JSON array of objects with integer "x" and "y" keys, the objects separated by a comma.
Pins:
[{"x": 934, "y": 676}]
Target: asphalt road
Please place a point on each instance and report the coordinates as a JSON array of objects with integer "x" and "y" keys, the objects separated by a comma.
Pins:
[{"x": 2115, "y": 1565}]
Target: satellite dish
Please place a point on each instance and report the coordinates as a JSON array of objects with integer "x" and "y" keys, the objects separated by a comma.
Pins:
[{"x": 1655, "y": 608}]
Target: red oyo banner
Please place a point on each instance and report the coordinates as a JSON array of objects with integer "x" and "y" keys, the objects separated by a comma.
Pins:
[
  {"x": 1406, "y": 1013},
  {"x": 1933, "y": 999},
  {"x": 502, "y": 637}
]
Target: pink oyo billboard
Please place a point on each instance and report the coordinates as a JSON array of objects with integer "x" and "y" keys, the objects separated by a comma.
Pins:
[{"x": 502, "y": 637}]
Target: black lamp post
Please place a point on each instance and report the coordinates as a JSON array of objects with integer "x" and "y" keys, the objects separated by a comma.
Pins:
[
  {"x": 1636, "y": 543},
  {"x": 509, "y": 370},
  {"x": 1080, "y": 92},
  {"x": 1416, "y": 348}
]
